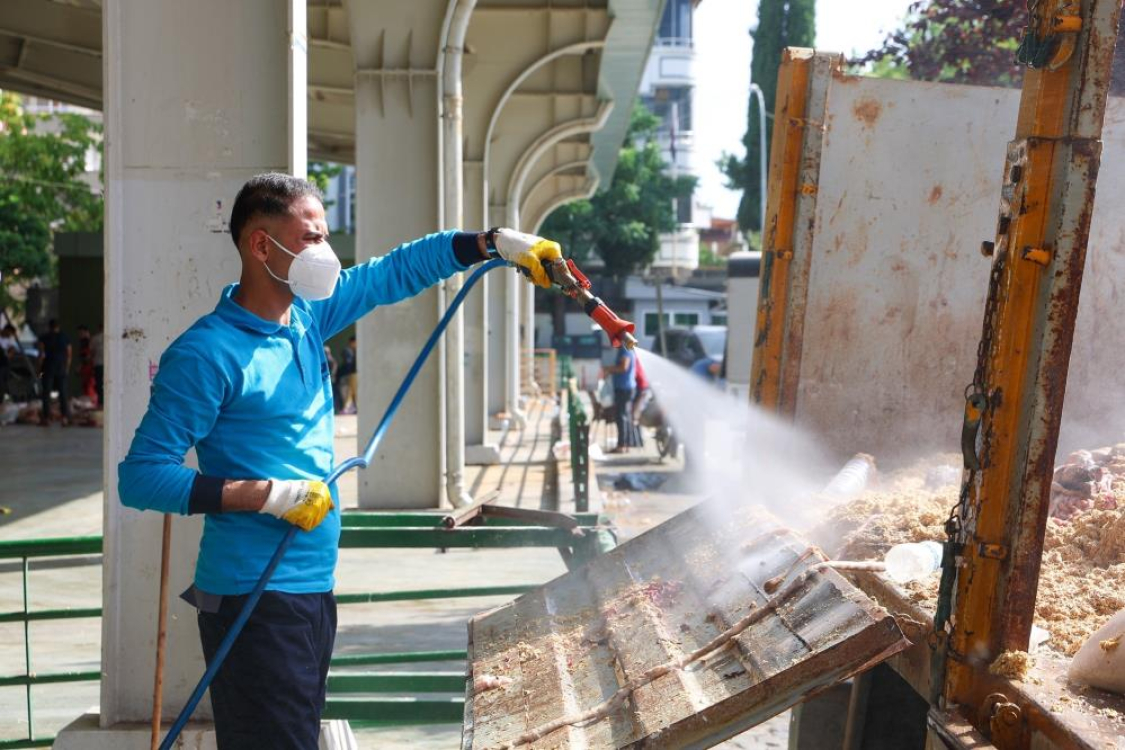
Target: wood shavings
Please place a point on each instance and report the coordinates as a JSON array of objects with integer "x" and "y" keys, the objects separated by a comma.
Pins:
[
  {"x": 1012, "y": 664},
  {"x": 486, "y": 682},
  {"x": 1082, "y": 580},
  {"x": 527, "y": 652},
  {"x": 1111, "y": 644}
]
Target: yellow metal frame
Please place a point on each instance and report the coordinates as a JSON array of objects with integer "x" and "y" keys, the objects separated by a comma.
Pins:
[
  {"x": 790, "y": 121},
  {"x": 1041, "y": 240}
]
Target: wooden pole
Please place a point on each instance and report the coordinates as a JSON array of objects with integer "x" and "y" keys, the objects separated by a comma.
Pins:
[{"x": 161, "y": 631}]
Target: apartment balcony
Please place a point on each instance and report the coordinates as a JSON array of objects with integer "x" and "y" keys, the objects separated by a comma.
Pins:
[
  {"x": 671, "y": 63},
  {"x": 679, "y": 251}
]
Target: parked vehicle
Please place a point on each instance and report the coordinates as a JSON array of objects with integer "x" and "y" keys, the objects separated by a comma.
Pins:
[{"x": 686, "y": 346}]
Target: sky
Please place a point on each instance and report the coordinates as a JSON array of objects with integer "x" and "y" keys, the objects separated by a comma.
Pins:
[{"x": 722, "y": 44}]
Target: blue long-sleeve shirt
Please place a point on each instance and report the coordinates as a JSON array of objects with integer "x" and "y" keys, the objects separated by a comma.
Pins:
[{"x": 254, "y": 399}]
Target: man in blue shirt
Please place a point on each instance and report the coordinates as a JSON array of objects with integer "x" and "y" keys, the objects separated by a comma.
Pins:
[
  {"x": 624, "y": 374},
  {"x": 248, "y": 386}
]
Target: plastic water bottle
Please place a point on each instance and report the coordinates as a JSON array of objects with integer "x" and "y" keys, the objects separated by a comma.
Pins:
[
  {"x": 851, "y": 481},
  {"x": 911, "y": 561}
]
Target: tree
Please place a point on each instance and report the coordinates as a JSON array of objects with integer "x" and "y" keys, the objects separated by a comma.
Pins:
[
  {"x": 43, "y": 187},
  {"x": 964, "y": 41},
  {"x": 960, "y": 41},
  {"x": 623, "y": 223},
  {"x": 781, "y": 24}
]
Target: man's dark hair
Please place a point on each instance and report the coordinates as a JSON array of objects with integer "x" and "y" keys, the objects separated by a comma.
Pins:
[
  {"x": 52, "y": 324},
  {"x": 269, "y": 194}
]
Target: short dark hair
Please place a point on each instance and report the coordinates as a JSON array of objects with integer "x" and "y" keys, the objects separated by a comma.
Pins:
[
  {"x": 53, "y": 323},
  {"x": 269, "y": 194}
]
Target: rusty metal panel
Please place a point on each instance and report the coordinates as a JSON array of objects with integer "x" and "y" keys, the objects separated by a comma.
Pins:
[
  {"x": 1097, "y": 369},
  {"x": 603, "y": 636},
  {"x": 909, "y": 178}
]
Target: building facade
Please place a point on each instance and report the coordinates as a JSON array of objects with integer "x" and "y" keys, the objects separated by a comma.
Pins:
[{"x": 667, "y": 89}]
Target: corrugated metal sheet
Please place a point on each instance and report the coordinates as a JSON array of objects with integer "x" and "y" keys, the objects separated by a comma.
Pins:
[{"x": 575, "y": 642}]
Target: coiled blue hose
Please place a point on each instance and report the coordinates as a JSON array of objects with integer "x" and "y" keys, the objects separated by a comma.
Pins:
[{"x": 358, "y": 462}]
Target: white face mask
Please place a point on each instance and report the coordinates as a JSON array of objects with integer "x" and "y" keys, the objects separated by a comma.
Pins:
[{"x": 313, "y": 272}]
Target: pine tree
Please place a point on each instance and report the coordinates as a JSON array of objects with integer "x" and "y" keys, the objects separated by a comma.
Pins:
[{"x": 781, "y": 24}]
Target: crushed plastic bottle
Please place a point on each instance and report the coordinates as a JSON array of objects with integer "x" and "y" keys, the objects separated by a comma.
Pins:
[
  {"x": 851, "y": 481},
  {"x": 912, "y": 561}
]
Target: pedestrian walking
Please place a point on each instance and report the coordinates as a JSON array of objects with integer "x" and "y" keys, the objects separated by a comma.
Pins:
[{"x": 55, "y": 354}]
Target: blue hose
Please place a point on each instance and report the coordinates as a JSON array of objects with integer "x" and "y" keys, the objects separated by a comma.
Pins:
[{"x": 358, "y": 462}]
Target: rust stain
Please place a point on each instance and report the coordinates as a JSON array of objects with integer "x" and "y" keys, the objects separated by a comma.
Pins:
[
  {"x": 935, "y": 195},
  {"x": 867, "y": 111},
  {"x": 134, "y": 334}
]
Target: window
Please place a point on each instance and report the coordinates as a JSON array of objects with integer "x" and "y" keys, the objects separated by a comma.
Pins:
[
  {"x": 652, "y": 323},
  {"x": 676, "y": 21},
  {"x": 683, "y": 209},
  {"x": 687, "y": 319},
  {"x": 667, "y": 98},
  {"x": 718, "y": 320}
]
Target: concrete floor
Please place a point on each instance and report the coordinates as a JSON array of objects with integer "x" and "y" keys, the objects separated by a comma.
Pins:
[{"x": 52, "y": 481}]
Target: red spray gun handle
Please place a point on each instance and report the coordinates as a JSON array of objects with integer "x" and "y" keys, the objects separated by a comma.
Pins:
[
  {"x": 620, "y": 331},
  {"x": 565, "y": 275}
]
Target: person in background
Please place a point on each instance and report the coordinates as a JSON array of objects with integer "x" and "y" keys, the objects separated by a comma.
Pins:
[
  {"x": 348, "y": 378},
  {"x": 86, "y": 364},
  {"x": 624, "y": 373},
  {"x": 644, "y": 395},
  {"x": 55, "y": 353},
  {"x": 708, "y": 368},
  {"x": 9, "y": 349},
  {"x": 97, "y": 351}
]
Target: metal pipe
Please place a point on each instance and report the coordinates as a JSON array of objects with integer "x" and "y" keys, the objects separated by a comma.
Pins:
[
  {"x": 452, "y": 209},
  {"x": 756, "y": 91}
]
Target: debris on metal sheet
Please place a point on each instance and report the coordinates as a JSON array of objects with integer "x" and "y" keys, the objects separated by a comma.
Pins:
[
  {"x": 673, "y": 637},
  {"x": 625, "y": 691},
  {"x": 490, "y": 682}
]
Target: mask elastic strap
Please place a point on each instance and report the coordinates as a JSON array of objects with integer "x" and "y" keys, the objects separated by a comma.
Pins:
[{"x": 267, "y": 265}]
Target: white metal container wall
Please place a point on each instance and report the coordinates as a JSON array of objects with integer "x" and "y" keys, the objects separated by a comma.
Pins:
[{"x": 908, "y": 189}]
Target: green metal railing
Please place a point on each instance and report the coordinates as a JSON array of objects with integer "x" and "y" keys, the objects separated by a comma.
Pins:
[
  {"x": 579, "y": 424},
  {"x": 360, "y": 530}
]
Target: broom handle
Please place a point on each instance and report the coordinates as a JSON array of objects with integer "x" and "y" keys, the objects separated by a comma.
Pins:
[{"x": 161, "y": 631}]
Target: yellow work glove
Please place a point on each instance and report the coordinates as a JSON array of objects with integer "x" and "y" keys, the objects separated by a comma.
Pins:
[
  {"x": 529, "y": 252},
  {"x": 298, "y": 501}
]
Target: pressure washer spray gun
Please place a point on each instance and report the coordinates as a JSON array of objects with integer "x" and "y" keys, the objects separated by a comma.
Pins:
[{"x": 564, "y": 274}]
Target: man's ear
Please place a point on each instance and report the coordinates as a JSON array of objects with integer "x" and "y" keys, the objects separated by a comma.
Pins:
[{"x": 257, "y": 244}]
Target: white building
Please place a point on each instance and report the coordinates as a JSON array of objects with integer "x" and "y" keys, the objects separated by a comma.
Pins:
[{"x": 667, "y": 89}]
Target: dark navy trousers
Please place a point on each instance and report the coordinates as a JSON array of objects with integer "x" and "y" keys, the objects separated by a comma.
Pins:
[{"x": 269, "y": 693}]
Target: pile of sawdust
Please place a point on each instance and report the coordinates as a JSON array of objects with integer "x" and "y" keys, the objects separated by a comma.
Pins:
[
  {"x": 1012, "y": 664},
  {"x": 1082, "y": 580},
  {"x": 867, "y": 527}
]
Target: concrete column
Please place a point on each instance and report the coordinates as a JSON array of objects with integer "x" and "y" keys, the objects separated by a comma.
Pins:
[
  {"x": 478, "y": 334},
  {"x": 395, "y": 43},
  {"x": 499, "y": 358},
  {"x": 527, "y": 335},
  {"x": 184, "y": 130}
]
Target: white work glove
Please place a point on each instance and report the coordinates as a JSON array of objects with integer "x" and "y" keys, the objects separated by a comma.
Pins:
[
  {"x": 528, "y": 252},
  {"x": 298, "y": 501}
]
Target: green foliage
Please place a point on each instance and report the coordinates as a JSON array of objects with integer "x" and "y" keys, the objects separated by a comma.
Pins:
[
  {"x": 960, "y": 41},
  {"x": 781, "y": 24},
  {"x": 321, "y": 173},
  {"x": 624, "y": 222},
  {"x": 42, "y": 190}
]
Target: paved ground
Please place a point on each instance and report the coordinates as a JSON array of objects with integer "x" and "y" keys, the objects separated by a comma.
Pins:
[{"x": 51, "y": 481}]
